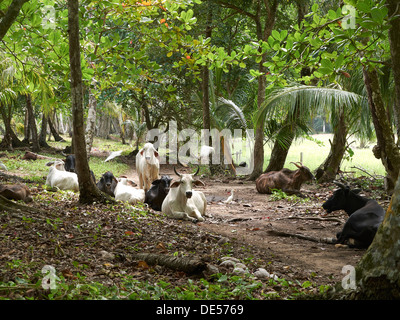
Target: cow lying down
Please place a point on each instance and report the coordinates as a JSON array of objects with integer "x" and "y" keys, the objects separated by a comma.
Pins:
[
  {"x": 16, "y": 192},
  {"x": 365, "y": 216},
  {"x": 184, "y": 203},
  {"x": 125, "y": 191}
]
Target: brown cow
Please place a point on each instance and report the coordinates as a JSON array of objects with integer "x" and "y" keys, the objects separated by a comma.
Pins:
[
  {"x": 286, "y": 180},
  {"x": 15, "y": 192}
]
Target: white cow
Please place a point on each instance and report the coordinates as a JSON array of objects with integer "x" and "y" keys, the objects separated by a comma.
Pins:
[
  {"x": 125, "y": 191},
  {"x": 147, "y": 166},
  {"x": 61, "y": 179},
  {"x": 184, "y": 203}
]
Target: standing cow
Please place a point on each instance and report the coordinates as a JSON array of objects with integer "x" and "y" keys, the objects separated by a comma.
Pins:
[
  {"x": 184, "y": 203},
  {"x": 147, "y": 166}
]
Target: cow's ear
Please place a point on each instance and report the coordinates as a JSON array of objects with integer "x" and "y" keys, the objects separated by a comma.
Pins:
[
  {"x": 175, "y": 184},
  {"x": 156, "y": 154},
  {"x": 131, "y": 182},
  {"x": 141, "y": 152},
  {"x": 198, "y": 183}
]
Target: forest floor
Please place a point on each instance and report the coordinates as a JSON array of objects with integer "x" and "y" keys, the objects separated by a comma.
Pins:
[{"x": 99, "y": 242}]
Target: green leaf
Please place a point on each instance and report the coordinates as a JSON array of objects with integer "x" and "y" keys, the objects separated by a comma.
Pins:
[
  {"x": 332, "y": 14},
  {"x": 276, "y": 35},
  {"x": 327, "y": 63},
  {"x": 339, "y": 61},
  {"x": 325, "y": 71},
  {"x": 378, "y": 14}
]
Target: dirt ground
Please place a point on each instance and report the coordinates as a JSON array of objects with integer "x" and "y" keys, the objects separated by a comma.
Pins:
[
  {"x": 250, "y": 217},
  {"x": 245, "y": 224}
]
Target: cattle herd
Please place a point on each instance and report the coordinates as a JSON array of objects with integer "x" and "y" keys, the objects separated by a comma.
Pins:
[{"x": 178, "y": 200}]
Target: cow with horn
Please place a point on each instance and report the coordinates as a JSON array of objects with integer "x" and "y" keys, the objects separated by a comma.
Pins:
[{"x": 182, "y": 202}]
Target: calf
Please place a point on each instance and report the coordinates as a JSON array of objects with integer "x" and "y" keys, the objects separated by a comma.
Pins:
[
  {"x": 147, "y": 166},
  {"x": 157, "y": 193},
  {"x": 107, "y": 183},
  {"x": 184, "y": 203},
  {"x": 16, "y": 192},
  {"x": 286, "y": 180},
  {"x": 365, "y": 216},
  {"x": 125, "y": 191},
  {"x": 61, "y": 179}
]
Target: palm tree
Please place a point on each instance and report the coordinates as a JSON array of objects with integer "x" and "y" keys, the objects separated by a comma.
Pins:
[
  {"x": 343, "y": 106},
  {"x": 224, "y": 114},
  {"x": 8, "y": 95}
]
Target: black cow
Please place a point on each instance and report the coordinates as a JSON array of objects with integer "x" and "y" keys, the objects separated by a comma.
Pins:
[
  {"x": 157, "y": 193},
  {"x": 70, "y": 163},
  {"x": 365, "y": 216},
  {"x": 107, "y": 183}
]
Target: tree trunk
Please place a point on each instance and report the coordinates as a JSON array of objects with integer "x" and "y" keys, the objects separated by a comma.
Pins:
[
  {"x": 394, "y": 40},
  {"x": 10, "y": 139},
  {"x": 9, "y": 18},
  {"x": 87, "y": 188},
  {"x": 32, "y": 124},
  {"x": 214, "y": 168},
  {"x": 43, "y": 132},
  {"x": 329, "y": 168},
  {"x": 386, "y": 148},
  {"x": 279, "y": 154},
  {"x": 54, "y": 132},
  {"x": 259, "y": 136},
  {"x": 27, "y": 129},
  {"x": 91, "y": 122}
]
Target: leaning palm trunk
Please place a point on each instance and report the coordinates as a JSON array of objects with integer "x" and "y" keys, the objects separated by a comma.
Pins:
[{"x": 327, "y": 171}]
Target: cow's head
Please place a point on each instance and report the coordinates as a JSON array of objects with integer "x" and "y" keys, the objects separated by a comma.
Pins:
[
  {"x": 108, "y": 180},
  {"x": 186, "y": 183},
  {"x": 70, "y": 163},
  {"x": 59, "y": 165},
  {"x": 163, "y": 184},
  {"x": 149, "y": 152},
  {"x": 303, "y": 172},
  {"x": 341, "y": 199},
  {"x": 127, "y": 182}
]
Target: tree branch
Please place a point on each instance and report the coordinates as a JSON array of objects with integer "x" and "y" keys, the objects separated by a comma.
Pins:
[
  {"x": 10, "y": 16},
  {"x": 237, "y": 9}
]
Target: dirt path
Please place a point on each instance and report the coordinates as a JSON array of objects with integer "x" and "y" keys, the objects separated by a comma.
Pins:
[{"x": 251, "y": 215}]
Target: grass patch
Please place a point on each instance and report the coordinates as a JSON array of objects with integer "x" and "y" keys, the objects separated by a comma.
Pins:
[
  {"x": 37, "y": 170},
  {"x": 315, "y": 152}
]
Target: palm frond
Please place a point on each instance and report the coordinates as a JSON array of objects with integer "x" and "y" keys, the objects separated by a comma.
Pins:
[
  {"x": 230, "y": 114},
  {"x": 307, "y": 99}
]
